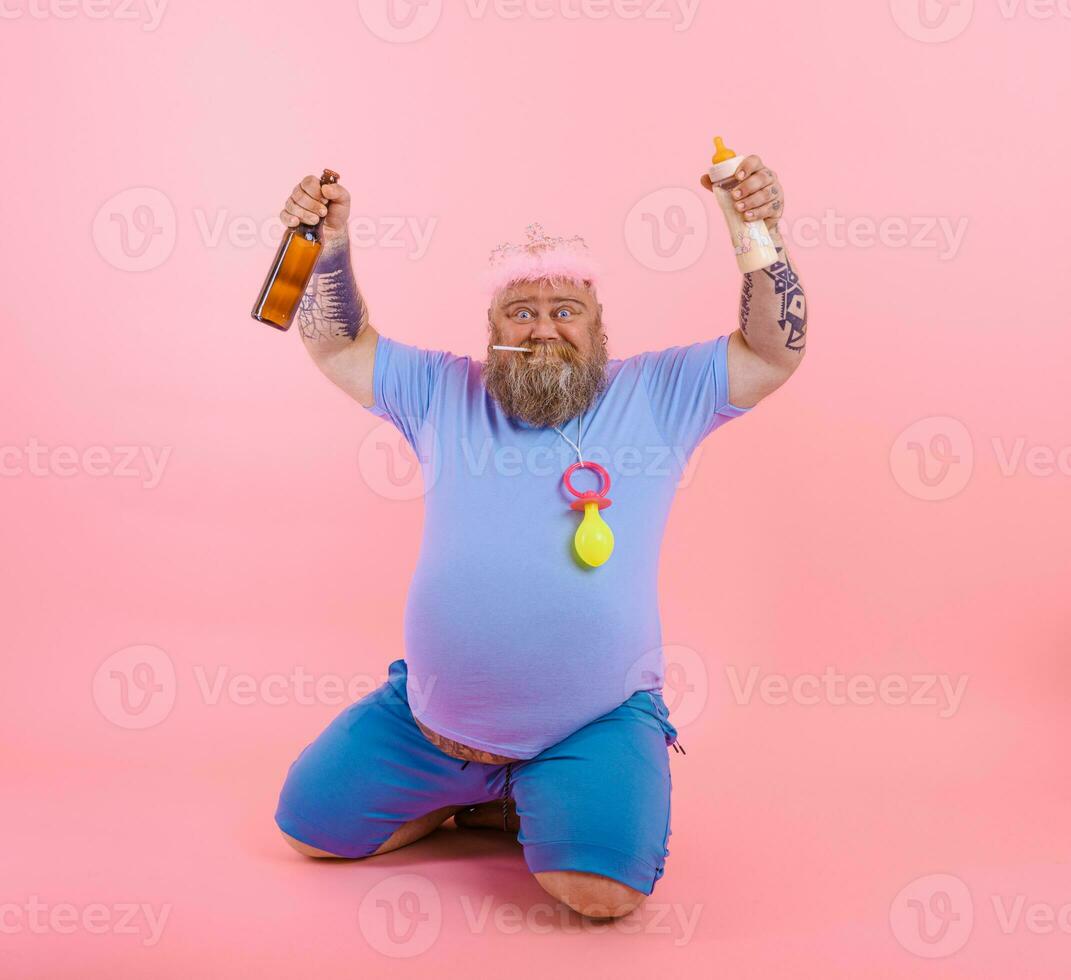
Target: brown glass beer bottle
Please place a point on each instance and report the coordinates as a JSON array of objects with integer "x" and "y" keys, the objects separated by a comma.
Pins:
[{"x": 291, "y": 271}]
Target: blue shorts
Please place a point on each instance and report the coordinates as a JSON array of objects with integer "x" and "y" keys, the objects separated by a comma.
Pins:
[{"x": 597, "y": 801}]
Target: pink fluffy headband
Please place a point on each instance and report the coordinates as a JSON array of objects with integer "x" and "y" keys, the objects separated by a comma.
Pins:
[{"x": 541, "y": 257}]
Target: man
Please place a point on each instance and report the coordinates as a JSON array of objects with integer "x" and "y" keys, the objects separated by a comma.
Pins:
[{"x": 529, "y": 697}]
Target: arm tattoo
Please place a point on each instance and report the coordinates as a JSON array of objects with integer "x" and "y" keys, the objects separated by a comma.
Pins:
[
  {"x": 332, "y": 305},
  {"x": 745, "y": 301},
  {"x": 793, "y": 315}
]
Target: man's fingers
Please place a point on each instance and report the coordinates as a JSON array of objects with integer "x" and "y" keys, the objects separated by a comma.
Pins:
[
  {"x": 309, "y": 203},
  {"x": 754, "y": 183},
  {"x": 748, "y": 166},
  {"x": 311, "y": 186},
  {"x": 705, "y": 181},
  {"x": 335, "y": 193},
  {"x": 760, "y": 198},
  {"x": 302, "y": 214},
  {"x": 771, "y": 210}
]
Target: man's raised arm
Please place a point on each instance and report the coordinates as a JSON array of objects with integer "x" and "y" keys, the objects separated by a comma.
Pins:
[
  {"x": 772, "y": 338},
  {"x": 333, "y": 316}
]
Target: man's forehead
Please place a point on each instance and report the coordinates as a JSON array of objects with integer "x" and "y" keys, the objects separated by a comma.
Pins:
[{"x": 549, "y": 292}]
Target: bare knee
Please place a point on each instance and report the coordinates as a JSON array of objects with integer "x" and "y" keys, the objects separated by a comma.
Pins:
[
  {"x": 307, "y": 849},
  {"x": 592, "y": 895},
  {"x": 407, "y": 833}
]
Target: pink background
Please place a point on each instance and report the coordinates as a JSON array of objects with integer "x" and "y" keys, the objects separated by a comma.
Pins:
[{"x": 806, "y": 537}]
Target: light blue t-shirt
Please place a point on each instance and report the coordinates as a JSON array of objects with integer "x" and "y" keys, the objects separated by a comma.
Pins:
[{"x": 511, "y": 642}]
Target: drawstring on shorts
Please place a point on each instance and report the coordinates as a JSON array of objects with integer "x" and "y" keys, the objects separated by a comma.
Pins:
[
  {"x": 505, "y": 795},
  {"x": 506, "y": 788}
]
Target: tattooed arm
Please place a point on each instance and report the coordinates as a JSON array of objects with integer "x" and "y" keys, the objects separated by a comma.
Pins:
[
  {"x": 333, "y": 316},
  {"x": 772, "y": 338}
]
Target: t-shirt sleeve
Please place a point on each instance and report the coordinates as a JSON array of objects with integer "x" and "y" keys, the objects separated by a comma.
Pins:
[
  {"x": 688, "y": 388},
  {"x": 403, "y": 379}
]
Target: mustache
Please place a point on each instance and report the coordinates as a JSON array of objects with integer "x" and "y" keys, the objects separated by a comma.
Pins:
[{"x": 556, "y": 348}]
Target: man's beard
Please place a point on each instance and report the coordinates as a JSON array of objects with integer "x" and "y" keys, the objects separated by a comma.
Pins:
[{"x": 552, "y": 384}]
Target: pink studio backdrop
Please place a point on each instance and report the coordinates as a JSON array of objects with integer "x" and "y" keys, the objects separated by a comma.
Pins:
[{"x": 863, "y": 582}]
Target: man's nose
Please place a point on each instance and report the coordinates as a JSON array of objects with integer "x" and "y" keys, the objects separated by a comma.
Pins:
[{"x": 545, "y": 329}]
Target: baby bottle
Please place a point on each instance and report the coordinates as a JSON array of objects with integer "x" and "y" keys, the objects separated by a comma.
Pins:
[{"x": 751, "y": 239}]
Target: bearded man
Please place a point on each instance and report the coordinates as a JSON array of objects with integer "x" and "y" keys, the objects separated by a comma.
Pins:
[{"x": 529, "y": 697}]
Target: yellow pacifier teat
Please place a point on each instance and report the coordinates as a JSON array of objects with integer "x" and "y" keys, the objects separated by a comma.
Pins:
[
  {"x": 594, "y": 541},
  {"x": 723, "y": 152}
]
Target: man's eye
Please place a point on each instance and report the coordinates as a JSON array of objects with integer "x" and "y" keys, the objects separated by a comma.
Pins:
[
  {"x": 520, "y": 313},
  {"x": 568, "y": 313}
]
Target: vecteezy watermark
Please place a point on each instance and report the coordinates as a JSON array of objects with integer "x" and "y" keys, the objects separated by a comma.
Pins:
[
  {"x": 405, "y": 21},
  {"x": 832, "y": 687},
  {"x": 135, "y": 230},
  {"x": 121, "y": 462},
  {"x": 932, "y": 21},
  {"x": 120, "y": 919},
  {"x": 403, "y": 459},
  {"x": 298, "y": 686},
  {"x": 667, "y": 229},
  {"x": 389, "y": 464},
  {"x": 409, "y": 232},
  {"x": 676, "y": 921},
  {"x": 148, "y": 12},
  {"x": 941, "y": 234},
  {"x": 933, "y": 916},
  {"x": 135, "y": 687},
  {"x": 936, "y": 21},
  {"x": 1035, "y": 460},
  {"x": 401, "y": 916},
  {"x": 681, "y": 675},
  {"x": 933, "y": 458}
]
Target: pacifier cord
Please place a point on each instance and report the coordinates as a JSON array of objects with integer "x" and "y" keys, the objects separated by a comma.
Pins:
[{"x": 575, "y": 445}]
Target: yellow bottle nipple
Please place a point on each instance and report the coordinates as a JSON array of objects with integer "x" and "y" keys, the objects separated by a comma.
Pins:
[
  {"x": 723, "y": 153},
  {"x": 594, "y": 541}
]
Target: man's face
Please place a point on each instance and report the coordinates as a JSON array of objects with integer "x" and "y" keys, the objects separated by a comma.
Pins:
[{"x": 561, "y": 324}]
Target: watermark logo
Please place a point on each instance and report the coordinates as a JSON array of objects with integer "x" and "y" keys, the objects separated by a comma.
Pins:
[
  {"x": 400, "y": 21},
  {"x": 933, "y": 458},
  {"x": 685, "y": 683},
  {"x": 832, "y": 687},
  {"x": 149, "y": 12},
  {"x": 941, "y": 234},
  {"x": 667, "y": 230},
  {"x": 65, "y": 918},
  {"x": 933, "y": 916},
  {"x": 135, "y": 687},
  {"x": 135, "y": 230},
  {"x": 401, "y": 916},
  {"x": 932, "y": 21},
  {"x": 390, "y": 465},
  {"x": 409, "y": 233},
  {"x": 142, "y": 462},
  {"x": 679, "y": 922}
]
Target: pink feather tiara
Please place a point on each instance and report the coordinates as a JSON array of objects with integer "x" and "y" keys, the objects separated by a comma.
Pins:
[{"x": 540, "y": 257}]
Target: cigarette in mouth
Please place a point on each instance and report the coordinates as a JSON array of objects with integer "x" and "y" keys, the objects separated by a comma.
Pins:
[{"x": 524, "y": 350}]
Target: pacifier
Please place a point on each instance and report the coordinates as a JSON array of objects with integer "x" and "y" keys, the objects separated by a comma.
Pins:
[{"x": 594, "y": 541}]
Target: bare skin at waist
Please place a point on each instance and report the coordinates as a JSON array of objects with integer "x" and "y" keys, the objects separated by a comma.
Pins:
[{"x": 460, "y": 751}]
